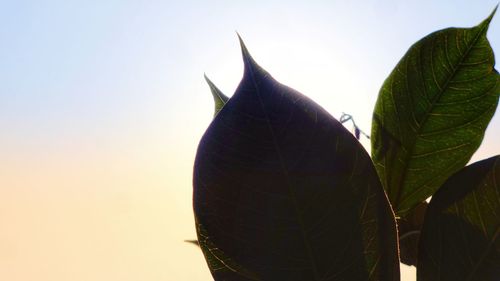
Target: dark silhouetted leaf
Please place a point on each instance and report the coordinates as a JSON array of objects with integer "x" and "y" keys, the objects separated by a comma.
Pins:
[
  {"x": 282, "y": 191},
  {"x": 224, "y": 267},
  {"x": 409, "y": 228},
  {"x": 460, "y": 237},
  {"x": 432, "y": 112},
  {"x": 219, "y": 98}
]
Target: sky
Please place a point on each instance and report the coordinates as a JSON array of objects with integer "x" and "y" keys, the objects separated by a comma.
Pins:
[{"x": 102, "y": 105}]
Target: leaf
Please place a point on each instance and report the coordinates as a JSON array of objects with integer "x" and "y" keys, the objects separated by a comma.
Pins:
[
  {"x": 285, "y": 192},
  {"x": 432, "y": 112},
  {"x": 218, "y": 262},
  {"x": 409, "y": 228},
  {"x": 219, "y": 98},
  {"x": 194, "y": 242},
  {"x": 460, "y": 238}
]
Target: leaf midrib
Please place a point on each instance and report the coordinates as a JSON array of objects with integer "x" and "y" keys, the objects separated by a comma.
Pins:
[{"x": 314, "y": 266}]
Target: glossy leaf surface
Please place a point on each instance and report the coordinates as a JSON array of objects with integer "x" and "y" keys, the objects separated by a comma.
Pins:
[
  {"x": 283, "y": 192},
  {"x": 460, "y": 239},
  {"x": 432, "y": 112}
]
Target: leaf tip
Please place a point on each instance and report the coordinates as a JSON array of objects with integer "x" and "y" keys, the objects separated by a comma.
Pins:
[
  {"x": 486, "y": 22},
  {"x": 219, "y": 98},
  {"x": 206, "y": 78},
  {"x": 247, "y": 58},
  {"x": 195, "y": 242}
]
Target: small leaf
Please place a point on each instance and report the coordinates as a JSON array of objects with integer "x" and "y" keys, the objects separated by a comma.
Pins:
[
  {"x": 460, "y": 238},
  {"x": 194, "y": 242},
  {"x": 219, "y": 98},
  {"x": 285, "y": 192},
  {"x": 432, "y": 112}
]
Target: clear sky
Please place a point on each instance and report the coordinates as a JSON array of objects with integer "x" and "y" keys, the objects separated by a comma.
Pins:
[{"x": 102, "y": 104}]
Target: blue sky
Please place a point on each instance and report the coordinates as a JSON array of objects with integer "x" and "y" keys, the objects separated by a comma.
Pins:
[{"x": 102, "y": 104}]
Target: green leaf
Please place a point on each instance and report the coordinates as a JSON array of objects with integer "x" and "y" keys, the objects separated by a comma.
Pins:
[
  {"x": 460, "y": 238},
  {"x": 219, "y": 98},
  {"x": 284, "y": 191},
  {"x": 432, "y": 112}
]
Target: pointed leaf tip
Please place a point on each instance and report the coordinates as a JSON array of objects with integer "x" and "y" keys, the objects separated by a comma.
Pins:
[
  {"x": 489, "y": 18},
  {"x": 195, "y": 242},
  {"x": 247, "y": 58},
  {"x": 242, "y": 44},
  {"x": 249, "y": 65},
  {"x": 493, "y": 12},
  {"x": 219, "y": 98},
  {"x": 206, "y": 79}
]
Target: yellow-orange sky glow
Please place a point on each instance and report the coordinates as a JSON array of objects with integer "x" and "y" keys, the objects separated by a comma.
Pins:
[{"x": 102, "y": 106}]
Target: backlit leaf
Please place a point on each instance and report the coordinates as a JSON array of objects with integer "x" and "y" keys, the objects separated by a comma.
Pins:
[
  {"x": 432, "y": 112},
  {"x": 283, "y": 192},
  {"x": 219, "y": 98},
  {"x": 460, "y": 239}
]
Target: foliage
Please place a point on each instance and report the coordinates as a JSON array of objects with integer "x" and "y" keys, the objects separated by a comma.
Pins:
[{"x": 282, "y": 191}]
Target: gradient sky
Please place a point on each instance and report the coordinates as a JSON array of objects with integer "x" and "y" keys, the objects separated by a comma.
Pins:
[{"x": 102, "y": 105}]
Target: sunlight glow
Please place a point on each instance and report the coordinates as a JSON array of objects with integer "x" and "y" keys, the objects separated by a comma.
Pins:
[{"x": 102, "y": 105}]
